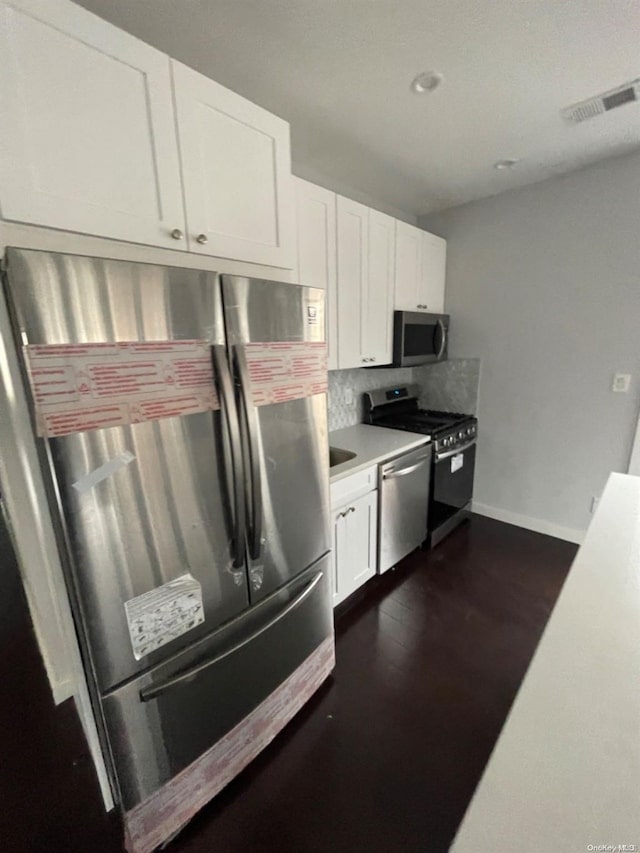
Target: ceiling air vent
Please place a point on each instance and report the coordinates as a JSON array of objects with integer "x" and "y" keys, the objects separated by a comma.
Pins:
[{"x": 626, "y": 94}]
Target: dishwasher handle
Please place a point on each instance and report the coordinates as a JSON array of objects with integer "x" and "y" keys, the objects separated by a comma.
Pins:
[{"x": 402, "y": 472}]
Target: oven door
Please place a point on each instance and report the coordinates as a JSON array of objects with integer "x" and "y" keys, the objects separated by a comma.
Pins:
[
  {"x": 452, "y": 483},
  {"x": 419, "y": 338}
]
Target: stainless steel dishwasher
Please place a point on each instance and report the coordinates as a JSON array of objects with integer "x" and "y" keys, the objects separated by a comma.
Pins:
[{"x": 403, "y": 487}]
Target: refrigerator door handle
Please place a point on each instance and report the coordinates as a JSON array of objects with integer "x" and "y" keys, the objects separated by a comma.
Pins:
[
  {"x": 156, "y": 690},
  {"x": 254, "y": 486},
  {"x": 230, "y": 417}
]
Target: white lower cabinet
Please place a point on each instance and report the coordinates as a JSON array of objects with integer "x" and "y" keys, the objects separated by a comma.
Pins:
[{"x": 354, "y": 558}]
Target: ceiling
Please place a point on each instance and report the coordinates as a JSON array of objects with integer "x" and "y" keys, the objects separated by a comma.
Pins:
[{"x": 340, "y": 72}]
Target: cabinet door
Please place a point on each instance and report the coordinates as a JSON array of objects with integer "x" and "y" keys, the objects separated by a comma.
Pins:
[
  {"x": 316, "y": 232},
  {"x": 87, "y": 128},
  {"x": 355, "y": 545},
  {"x": 236, "y": 170},
  {"x": 338, "y": 554},
  {"x": 353, "y": 262},
  {"x": 408, "y": 267},
  {"x": 432, "y": 280},
  {"x": 377, "y": 303}
]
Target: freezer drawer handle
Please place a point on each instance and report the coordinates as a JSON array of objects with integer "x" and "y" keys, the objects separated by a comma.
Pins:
[
  {"x": 230, "y": 416},
  {"x": 155, "y": 690},
  {"x": 404, "y": 471},
  {"x": 254, "y": 485}
]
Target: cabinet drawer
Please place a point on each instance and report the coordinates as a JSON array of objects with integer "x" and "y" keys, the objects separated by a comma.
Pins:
[{"x": 353, "y": 487}]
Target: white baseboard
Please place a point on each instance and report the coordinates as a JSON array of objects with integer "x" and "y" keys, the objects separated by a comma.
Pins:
[{"x": 538, "y": 525}]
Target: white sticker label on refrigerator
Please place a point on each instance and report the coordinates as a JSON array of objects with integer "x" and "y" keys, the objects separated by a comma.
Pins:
[
  {"x": 286, "y": 370},
  {"x": 162, "y": 614},
  {"x": 83, "y": 484},
  {"x": 457, "y": 462},
  {"x": 80, "y": 387}
]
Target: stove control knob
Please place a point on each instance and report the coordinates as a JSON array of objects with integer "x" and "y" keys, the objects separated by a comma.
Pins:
[
  {"x": 446, "y": 442},
  {"x": 461, "y": 434}
]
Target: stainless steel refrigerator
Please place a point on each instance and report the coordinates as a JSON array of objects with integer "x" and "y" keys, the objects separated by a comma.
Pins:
[{"x": 195, "y": 541}]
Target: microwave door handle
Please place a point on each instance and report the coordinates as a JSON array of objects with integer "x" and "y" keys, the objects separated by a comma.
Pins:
[
  {"x": 229, "y": 414},
  {"x": 253, "y": 460},
  {"x": 443, "y": 339}
]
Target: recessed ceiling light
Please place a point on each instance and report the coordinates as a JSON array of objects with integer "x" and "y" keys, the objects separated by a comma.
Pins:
[
  {"x": 505, "y": 164},
  {"x": 425, "y": 82}
]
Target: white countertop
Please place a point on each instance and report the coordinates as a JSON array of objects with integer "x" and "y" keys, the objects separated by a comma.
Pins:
[
  {"x": 371, "y": 444},
  {"x": 565, "y": 772}
]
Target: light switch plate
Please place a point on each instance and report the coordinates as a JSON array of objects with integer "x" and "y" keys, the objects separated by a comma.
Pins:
[
  {"x": 348, "y": 396},
  {"x": 621, "y": 382}
]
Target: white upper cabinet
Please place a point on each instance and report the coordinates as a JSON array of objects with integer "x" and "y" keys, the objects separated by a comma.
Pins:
[
  {"x": 366, "y": 253},
  {"x": 408, "y": 267},
  {"x": 87, "y": 130},
  {"x": 316, "y": 230},
  {"x": 377, "y": 307},
  {"x": 434, "y": 260},
  {"x": 236, "y": 169},
  {"x": 353, "y": 277},
  {"x": 419, "y": 270}
]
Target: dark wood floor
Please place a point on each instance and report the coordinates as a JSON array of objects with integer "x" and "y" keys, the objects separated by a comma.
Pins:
[{"x": 384, "y": 758}]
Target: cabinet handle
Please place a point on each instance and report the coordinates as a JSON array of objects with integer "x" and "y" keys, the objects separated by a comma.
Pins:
[
  {"x": 202, "y": 239},
  {"x": 177, "y": 234},
  {"x": 345, "y": 512}
]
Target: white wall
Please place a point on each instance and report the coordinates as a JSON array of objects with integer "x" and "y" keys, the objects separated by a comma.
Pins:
[
  {"x": 634, "y": 461},
  {"x": 301, "y": 170},
  {"x": 543, "y": 284}
]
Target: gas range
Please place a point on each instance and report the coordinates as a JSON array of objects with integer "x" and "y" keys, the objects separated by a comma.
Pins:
[
  {"x": 453, "y": 437},
  {"x": 397, "y": 408}
]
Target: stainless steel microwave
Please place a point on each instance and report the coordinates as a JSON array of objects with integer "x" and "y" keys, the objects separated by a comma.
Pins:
[{"x": 419, "y": 338}]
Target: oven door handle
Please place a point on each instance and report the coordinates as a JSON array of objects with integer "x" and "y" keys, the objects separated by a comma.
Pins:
[
  {"x": 440, "y": 457},
  {"x": 443, "y": 342},
  {"x": 404, "y": 471}
]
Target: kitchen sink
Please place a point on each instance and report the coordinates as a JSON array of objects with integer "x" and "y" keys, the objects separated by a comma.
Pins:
[{"x": 337, "y": 456}]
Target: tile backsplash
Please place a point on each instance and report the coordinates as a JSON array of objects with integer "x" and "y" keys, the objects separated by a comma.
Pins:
[
  {"x": 448, "y": 385},
  {"x": 451, "y": 386}
]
